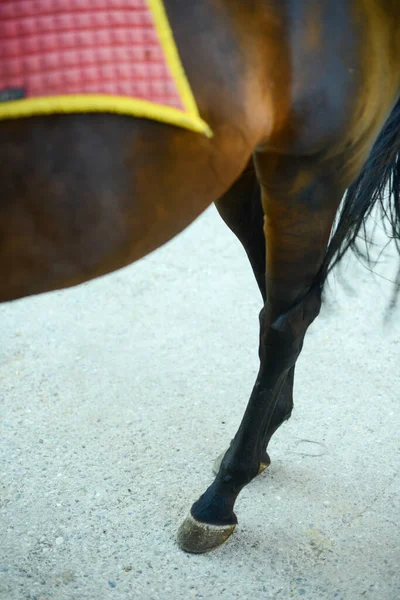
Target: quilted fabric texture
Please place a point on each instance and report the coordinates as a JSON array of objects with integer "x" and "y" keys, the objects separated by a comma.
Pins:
[{"x": 62, "y": 47}]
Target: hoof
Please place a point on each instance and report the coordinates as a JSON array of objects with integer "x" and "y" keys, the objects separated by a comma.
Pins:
[
  {"x": 263, "y": 465},
  {"x": 197, "y": 537}
]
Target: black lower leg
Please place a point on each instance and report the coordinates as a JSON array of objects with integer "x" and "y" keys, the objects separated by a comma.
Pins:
[
  {"x": 282, "y": 412},
  {"x": 280, "y": 345}
]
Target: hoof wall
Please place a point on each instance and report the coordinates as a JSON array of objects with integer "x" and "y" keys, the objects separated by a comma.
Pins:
[
  {"x": 263, "y": 466},
  {"x": 197, "y": 537}
]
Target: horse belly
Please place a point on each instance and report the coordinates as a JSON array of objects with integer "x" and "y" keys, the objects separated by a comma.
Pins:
[{"x": 83, "y": 195}]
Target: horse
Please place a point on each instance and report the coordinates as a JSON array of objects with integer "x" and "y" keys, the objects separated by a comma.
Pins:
[{"x": 302, "y": 98}]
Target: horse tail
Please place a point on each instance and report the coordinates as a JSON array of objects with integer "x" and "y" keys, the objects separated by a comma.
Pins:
[{"x": 377, "y": 187}]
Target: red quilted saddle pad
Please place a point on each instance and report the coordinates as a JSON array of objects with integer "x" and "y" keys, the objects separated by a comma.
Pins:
[{"x": 92, "y": 55}]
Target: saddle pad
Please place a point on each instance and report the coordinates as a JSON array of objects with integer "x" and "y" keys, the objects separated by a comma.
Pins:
[{"x": 69, "y": 56}]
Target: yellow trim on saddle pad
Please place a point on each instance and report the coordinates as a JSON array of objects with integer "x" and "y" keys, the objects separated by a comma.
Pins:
[{"x": 123, "y": 105}]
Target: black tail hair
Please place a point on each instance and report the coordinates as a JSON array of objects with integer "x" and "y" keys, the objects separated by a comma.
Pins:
[{"x": 378, "y": 185}]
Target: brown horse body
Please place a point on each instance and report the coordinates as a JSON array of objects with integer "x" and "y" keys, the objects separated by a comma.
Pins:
[{"x": 296, "y": 93}]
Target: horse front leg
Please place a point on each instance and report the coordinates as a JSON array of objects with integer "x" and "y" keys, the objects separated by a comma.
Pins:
[{"x": 300, "y": 197}]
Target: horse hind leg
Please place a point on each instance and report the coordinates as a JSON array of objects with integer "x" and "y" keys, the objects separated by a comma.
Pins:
[
  {"x": 298, "y": 221},
  {"x": 241, "y": 209}
]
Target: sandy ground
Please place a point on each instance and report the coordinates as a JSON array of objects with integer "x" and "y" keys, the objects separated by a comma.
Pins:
[{"x": 116, "y": 397}]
